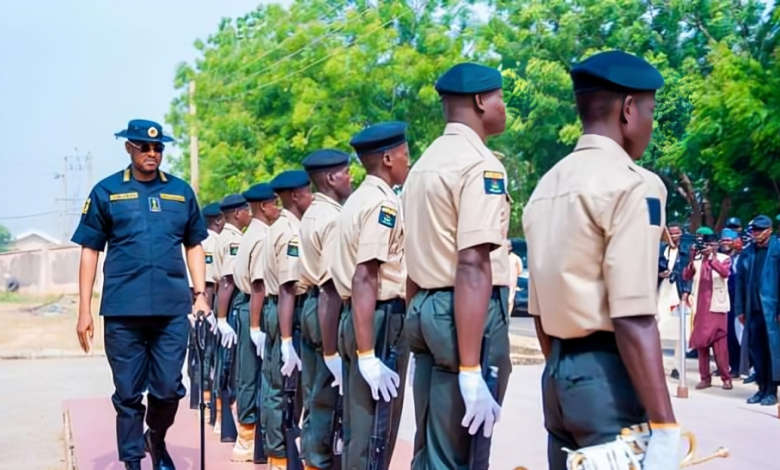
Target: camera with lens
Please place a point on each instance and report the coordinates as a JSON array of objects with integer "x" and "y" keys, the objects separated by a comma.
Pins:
[{"x": 663, "y": 266}]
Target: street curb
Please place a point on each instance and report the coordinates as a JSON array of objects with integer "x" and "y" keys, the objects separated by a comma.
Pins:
[
  {"x": 48, "y": 354},
  {"x": 70, "y": 454}
]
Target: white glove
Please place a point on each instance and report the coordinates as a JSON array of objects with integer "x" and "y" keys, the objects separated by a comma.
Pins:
[
  {"x": 212, "y": 321},
  {"x": 663, "y": 449},
  {"x": 191, "y": 318},
  {"x": 410, "y": 379},
  {"x": 258, "y": 338},
  {"x": 229, "y": 337},
  {"x": 334, "y": 366},
  {"x": 378, "y": 376},
  {"x": 290, "y": 359},
  {"x": 481, "y": 408}
]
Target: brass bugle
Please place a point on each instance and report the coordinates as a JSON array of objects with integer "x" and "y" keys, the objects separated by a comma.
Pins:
[{"x": 690, "y": 460}]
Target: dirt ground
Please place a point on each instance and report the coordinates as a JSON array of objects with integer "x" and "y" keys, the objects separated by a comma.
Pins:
[{"x": 43, "y": 324}]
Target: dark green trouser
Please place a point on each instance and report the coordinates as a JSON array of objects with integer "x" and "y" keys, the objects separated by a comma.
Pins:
[
  {"x": 319, "y": 394},
  {"x": 272, "y": 414},
  {"x": 587, "y": 395},
  {"x": 440, "y": 441},
  {"x": 248, "y": 367},
  {"x": 359, "y": 404},
  {"x": 219, "y": 372}
]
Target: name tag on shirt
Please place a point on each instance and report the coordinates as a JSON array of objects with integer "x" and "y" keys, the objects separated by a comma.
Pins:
[
  {"x": 172, "y": 197},
  {"x": 494, "y": 182}
]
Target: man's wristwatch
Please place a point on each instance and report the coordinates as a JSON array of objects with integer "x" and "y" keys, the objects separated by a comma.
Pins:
[{"x": 196, "y": 294}]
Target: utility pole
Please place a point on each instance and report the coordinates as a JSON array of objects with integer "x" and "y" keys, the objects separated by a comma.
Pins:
[
  {"x": 64, "y": 200},
  {"x": 194, "y": 167},
  {"x": 73, "y": 176}
]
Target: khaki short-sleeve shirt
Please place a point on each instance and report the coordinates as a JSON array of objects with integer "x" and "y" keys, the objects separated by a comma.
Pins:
[
  {"x": 228, "y": 242},
  {"x": 209, "y": 248},
  {"x": 247, "y": 250},
  {"x": 593, "y": 226},
  {"x": 454, "y": 198},
  {"x": 281, "y": 254},
  {"x": 370, "y": 227},
  {"x": 318, "y": 219}
]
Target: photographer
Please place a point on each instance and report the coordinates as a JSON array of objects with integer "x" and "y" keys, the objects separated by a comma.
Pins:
[
  {"x": 709, "y": 270},
  {"x": 673, "y": 290}
]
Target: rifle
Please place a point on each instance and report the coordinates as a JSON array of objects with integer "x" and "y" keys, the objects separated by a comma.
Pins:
[
  {"x": 383, "y": 412},
  {"x": 259, "y": 452},
  {"x": 291, "y": 429},
  {"x": 337, "y": 446},
  {"x": 200, "y": 345},
  {"x": 479, "y": 457},
  {"x": 228, "y": 432}
]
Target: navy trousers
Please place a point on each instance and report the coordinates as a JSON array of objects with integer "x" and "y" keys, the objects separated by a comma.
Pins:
[{"x": 145, "y": 353}]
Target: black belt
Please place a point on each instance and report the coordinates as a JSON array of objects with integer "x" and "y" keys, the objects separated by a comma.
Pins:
[
  {"x": 600, "y": 341},
  {"x": 396, "y": 305},
  {"x": 299, "y": 299},
  {"x": 495, "y": 294}
]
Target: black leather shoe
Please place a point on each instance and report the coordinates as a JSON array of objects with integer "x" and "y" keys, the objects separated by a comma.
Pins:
[
  {"x": 750, "y": 379},
  {"x": 675, "y": 374},
  {"x": 155, "y": 446},
  {"x": 756, "y": 398},
  {"x": 769, "y": 400},
  {"x": 132, "y": 465}
]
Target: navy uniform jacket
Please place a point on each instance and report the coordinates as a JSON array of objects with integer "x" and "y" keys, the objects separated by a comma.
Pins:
[{"x": 144, "y": 224}]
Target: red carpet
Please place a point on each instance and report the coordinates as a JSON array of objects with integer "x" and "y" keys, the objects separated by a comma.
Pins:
[{"x": 93, "y": 438}]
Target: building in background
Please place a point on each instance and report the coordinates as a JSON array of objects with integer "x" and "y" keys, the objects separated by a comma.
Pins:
[{"x": 33, "y": 240}]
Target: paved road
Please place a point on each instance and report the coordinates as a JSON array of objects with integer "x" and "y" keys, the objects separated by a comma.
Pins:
[{"x": 33, "y": 390}]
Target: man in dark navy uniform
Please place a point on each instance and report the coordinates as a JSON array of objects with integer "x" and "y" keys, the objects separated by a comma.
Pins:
[{"x": 143, "y": 216}]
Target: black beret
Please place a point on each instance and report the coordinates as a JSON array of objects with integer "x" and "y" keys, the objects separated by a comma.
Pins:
[
  {"x": 733, "y": 222},
  {"x": 615, "y": 71},
  {"x": 232, "y": 201},
  {"x": 469, "y": 79},
  {"x": 211, "y": 210},
  {"x": 259, "y": 192},
  {"x": 291, "y": 179},
  {"x": 325, "y": 158},
  {"x": 379, "y": 137},
  {"x": 761, "y": 222}
]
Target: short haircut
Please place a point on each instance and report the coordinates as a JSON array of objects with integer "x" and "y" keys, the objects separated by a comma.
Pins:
[
  {"x": 594, "y": 107},
  {"x": 674, "y": 224}
]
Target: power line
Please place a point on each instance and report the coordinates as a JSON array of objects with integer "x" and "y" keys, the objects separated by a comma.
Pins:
[{"x": 28, "y": 216}]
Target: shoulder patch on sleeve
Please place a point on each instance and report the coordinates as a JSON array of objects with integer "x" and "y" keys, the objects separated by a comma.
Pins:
[
  {"x": 234, "y": 249},
  {"x": 209, "y": 258},
  {"x": 387, "y": 216},
  {"x": 85, "y": 209},
  {"x": 292, "y": 247},
  {"x": 494, "y": 182},
  {"x": 654, "y": 210}
]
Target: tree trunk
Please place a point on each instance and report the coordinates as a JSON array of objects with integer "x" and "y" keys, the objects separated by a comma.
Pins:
[
  {"x": 687, "y": 190},
  {"x": 723, "y": 213}
]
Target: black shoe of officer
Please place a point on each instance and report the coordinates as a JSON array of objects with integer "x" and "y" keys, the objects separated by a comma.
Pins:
[
  {"x": 132, "y": 465},
  {"x": 756, "y": 398},
  {"x": 155, "y": 446},
  {"x": 769, "y": 400},
  {"x": 750, "y": 379}
]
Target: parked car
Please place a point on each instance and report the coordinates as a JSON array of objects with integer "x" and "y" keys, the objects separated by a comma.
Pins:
[{"x": 520, "y": 308}]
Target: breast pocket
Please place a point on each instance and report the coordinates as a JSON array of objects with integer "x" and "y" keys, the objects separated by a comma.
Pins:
[
  {"x": 175, "y": 214},
  {"x": 126, "y": 217}
]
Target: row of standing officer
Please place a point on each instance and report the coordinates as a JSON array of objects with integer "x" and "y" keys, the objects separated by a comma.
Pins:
[{"x": 323, "y": 289}]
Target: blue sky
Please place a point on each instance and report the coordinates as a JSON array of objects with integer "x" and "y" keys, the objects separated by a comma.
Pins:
[{"x": 73, "y": 73}]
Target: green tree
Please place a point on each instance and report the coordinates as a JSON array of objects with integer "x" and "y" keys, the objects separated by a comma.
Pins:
[{"x": 6, "y": 239}]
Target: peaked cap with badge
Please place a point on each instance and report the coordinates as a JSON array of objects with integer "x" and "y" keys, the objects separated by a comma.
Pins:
[
  {"x": 211, "y": 210},
  {"x": 761, "y": 222},
  {"x": 142, "y": 130},
  {"x": 324, "y": 159},
  {"x": 232, "y": 201},
  {"x": 259, "y": 193},
  {"x": 289, "y": 180},
  {"x": 615, "y": 71},
  {"x": 379, "y": 137},
  {"x": 469, "y": 79}
]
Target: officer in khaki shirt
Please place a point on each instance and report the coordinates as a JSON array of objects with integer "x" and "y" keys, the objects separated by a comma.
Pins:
[
  {"x": 369, "y": 257},
  {"x": 237, "y": 216},
  {"x": 593, "y": 226},
  {"x": 328, "y": 169},
  {"x": 457, "y": 212},
  {"x": 262, "y": 203},
  {"x": 214, "y": 222},
  {"x": 281, "y": 315}
]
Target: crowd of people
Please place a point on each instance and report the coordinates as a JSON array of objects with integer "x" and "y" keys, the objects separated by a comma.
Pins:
[
  {"x": 310, "y": 303},
  {"x": 726, "y": 287}
]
